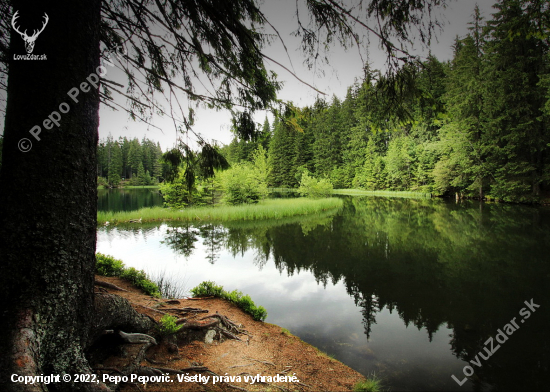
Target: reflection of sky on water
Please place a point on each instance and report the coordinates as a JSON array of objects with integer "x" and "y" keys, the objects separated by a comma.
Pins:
[{"x": 323, "y": 316}]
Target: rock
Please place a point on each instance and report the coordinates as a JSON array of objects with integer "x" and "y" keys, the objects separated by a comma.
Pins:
[{"x": 209, "y": 337}]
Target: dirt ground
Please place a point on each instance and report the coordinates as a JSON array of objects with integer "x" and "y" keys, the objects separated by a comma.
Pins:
[{"x": 265, "y": 349}]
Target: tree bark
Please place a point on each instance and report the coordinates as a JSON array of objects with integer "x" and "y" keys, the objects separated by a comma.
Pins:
[{"x": 48, "y": 198}]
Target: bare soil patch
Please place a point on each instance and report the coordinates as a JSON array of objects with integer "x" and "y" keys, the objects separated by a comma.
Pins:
[{"x": 263, "y": 349}]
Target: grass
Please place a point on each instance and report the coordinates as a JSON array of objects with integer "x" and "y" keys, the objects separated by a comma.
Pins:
[
  {"x": 362, "y": 192},
  {"x": 325, "y": 354},
  {"x": 131, "y": 187},
  {"x": 368, "y": 385},
  {"x": 169, "y": 285},
  {"x": 109, "y": 266},
  {"x": 266, "y": 209},
  {"x": 208, "y": 289},
  {"x": 286, "y": 332}
]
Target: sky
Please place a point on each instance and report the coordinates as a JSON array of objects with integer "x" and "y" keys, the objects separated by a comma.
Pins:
[{"x": 344, "y": 69}]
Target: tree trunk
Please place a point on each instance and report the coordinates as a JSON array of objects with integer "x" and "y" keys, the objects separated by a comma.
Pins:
[{"x": 48, "y": 197}]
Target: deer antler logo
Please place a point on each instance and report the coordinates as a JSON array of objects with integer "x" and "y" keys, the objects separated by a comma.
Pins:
[{"x": 29, "y": 41}]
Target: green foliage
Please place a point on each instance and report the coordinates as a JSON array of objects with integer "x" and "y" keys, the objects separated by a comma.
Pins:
[
  {"x": 476, "y": 125},
  {"x": 361, "y": 192},
  {"x": 283, "y": 154},
  {"x": 102, "y": 182},
  {"x": 245, "y": 182},
  {"x": 210, "y": 289},
  {"x": 108, "y": 265},
  {"x": 140, "y": 279},
  {"x": 121, "y": 159},
  {"x": 311, "y": 187},
  {"x": 266, "y": 209},
  {"x": 168, "y": 326},
  {"x": 114, "y": 165},
  {"x": 368, "y": 385},
  {"x": 207, "y": 289},
  {"x": 176, "y": 194},
  {"x": 142, "y": 178}
]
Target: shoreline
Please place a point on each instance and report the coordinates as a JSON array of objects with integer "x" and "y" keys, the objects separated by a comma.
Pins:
[
  {"x": 266, "y": 209},
  {"x": 265, "y": 349}
]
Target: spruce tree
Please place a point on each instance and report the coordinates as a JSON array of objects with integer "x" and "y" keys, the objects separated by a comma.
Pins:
[{"x": 516, "y": 128}]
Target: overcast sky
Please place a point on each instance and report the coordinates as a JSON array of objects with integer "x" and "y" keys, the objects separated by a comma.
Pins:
[{"x": 344, "y": 68}]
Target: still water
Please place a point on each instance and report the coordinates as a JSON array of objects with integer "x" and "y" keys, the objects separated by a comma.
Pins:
[
  {"x": 127, "y": 199},
  {"x": 410, "y": 290}
]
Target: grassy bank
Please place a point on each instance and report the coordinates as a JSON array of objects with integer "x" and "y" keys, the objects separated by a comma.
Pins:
[
  {"x": 131, "y": 187},
  {"x": 361, "y": 192},
  {"x": 266, "y": 209},
  {"x": 210, "y": 289}
]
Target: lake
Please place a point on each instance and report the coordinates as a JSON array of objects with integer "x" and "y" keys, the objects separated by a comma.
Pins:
[
  {"x": 410, "y": 290},
  {"x": 127, "y": 199}
]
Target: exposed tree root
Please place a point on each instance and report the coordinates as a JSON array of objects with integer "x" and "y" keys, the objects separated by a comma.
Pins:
[
  {"x": 114, "y": 312},
  {"x": 121, "y": 337},
  {"x": 109, "y": 285},
  {"x": 186, "y": 310}
]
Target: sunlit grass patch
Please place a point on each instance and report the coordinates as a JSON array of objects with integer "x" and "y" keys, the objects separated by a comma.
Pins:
[
  {"x": 243, "y": 301},
  {"x": 266, "y": 209},
  {"x": 362, "y": 192}
]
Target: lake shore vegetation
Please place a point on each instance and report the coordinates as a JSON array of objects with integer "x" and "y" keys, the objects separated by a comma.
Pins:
[
  {"x": 266, "y": 209},
  {"x": 109, "y": 266},
  {"x": 243, "y": 301},
  {"x": 459, "y": 133}
]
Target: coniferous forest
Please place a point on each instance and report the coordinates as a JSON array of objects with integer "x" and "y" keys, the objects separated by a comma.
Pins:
[
  {"x": 475, "y": 126},
  {"x": 128, "y": 159}
]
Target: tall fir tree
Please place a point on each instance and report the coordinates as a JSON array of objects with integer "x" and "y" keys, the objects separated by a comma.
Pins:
[{"x": 516, "y": 128}]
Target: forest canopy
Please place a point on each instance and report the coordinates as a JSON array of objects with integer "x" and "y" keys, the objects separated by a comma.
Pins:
[{"x": 476, "y": 125}]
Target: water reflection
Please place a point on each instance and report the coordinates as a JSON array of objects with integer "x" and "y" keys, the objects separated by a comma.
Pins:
[
  {"x": 452, "y": 273},
  {"x": 128, "y": 199}
]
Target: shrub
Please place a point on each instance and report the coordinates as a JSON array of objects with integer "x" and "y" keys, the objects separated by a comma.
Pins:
[
  {"x": 243, "y": 184},
  {"x": 102, "y": 181},
  {"x": 108, "y": 265},
  {"x": 141, "y": 280},
  {"x": 175, "y": 194},
  {"x": 208, "y": 288},
  {"x": 311, "y": 187},
  {"x": 167, "y": 325}
]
